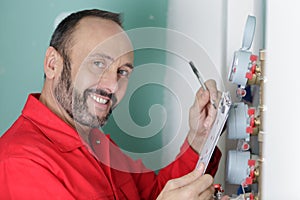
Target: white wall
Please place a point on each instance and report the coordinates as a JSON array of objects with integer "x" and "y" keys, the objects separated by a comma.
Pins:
[
  {"x": 217, "y": 28},
  {"x": 203, "y": 24},
  {"x": 281, "y": 172}
]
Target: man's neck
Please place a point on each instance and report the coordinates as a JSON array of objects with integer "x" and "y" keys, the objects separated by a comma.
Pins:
[{"x": 50, "y": 101}]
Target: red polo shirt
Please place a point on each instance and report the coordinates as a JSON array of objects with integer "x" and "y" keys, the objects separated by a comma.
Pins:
[{"x": 41, "y": 157}]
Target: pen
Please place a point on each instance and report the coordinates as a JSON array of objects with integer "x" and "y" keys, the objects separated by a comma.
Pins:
[{"x": 196, "y": 72}]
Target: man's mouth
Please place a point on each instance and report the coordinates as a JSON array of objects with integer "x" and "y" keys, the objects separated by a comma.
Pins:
[{"x": 99, "y": 99}]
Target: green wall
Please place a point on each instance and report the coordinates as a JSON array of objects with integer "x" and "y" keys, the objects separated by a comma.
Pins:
[{"x": 26, "y": 27}]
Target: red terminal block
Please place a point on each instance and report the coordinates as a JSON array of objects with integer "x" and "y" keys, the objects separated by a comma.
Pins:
[
  {"x": 251, "y": 196},
  {"x": 246, "y": 146},
  {"x": 248, "y": 181},
  {"x": 249, "y": 75},
  {"x": 249, "y": 129},
  {"x": 217, "y": 186},
  {"x": 252, "y": 122},
  {"x": 253, "y": 68},
  {"x": 253, "y": 58},
  {"x": 251, "y": 163},
  {"x": 241, "y": 92},
  {"x": 252, "y": 175},
  {"x": 251, "y": 111}
]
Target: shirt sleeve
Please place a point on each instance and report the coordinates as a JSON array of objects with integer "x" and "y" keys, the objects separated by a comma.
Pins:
[
  {"x": 18, "y": 175},
  {"x": 151, "y": 184}
]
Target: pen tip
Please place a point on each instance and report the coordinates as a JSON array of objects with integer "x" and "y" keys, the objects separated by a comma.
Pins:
[
  {"x": 214, "y": 105},
  {"x": 193, "y": 66}
]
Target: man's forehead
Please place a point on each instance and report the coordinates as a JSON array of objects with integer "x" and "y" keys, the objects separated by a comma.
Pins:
[
  {"x": 113, "y": 47},
  {"x": 98, "y": 28},
  {"x": 95, "y": 34}
]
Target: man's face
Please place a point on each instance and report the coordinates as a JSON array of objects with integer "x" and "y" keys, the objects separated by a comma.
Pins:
[{"x": 101, "y": 62}]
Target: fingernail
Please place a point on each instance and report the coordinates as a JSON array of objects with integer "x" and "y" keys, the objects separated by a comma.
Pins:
[
  {"x": 202, "y": 93},
  {"x": 200, "y": 167},
  {"x": 206, "y": 124},
  {"x": 214, "y": 97}
]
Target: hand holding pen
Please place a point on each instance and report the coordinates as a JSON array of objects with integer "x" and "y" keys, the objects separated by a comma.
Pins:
[
  {"x": 196, "y": 72},
  {"x": 202, "y": 115}
]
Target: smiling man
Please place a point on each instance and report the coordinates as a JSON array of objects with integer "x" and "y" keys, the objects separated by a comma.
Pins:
[
  {"x": 90, "y": 78},
  {"x": 55, "y": 150}
]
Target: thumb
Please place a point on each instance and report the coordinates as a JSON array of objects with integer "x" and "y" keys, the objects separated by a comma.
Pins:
[
  {"x": 225, "y": 197},
  {"x": 200, "y": 167},
  {"x": 202, "y": 98},
  {"x": 185, "y": 180}
]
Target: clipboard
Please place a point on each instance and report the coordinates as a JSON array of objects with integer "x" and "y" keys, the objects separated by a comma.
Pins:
[{"x": 216, "y": 130}]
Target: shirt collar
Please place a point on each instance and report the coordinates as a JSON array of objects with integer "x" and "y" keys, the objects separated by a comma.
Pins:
[{"x": 54, "y": 128}]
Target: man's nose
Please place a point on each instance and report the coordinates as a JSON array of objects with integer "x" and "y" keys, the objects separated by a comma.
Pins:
[{"x": 108, "y": 80}]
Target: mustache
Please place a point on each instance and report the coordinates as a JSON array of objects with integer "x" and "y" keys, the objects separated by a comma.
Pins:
[{"x": 111, "y": 96}]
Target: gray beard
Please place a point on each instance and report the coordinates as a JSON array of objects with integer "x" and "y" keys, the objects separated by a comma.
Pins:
[{"x": 75, "y": 104}]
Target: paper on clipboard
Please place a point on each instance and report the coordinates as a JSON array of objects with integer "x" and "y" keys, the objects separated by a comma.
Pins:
[{"x": 215, "y": 132}]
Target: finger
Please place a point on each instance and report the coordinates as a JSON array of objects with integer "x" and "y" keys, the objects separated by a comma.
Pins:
[
  {"x": 184, "y": 180},
  {"x": 198, "y": 186},
  {"x": 200, "y": 167},
  {"x": 207, "y": 194},
  {"x": 225, "y": 197},
  {"x": 210, "y": 118},
  {"x": 212, "y": 113},
  {"x": 212, "y": 88},
  {"x": 218, "y": 98},
  {"x": 202, "y": 184},
  {"x": 202, "y": 98}
]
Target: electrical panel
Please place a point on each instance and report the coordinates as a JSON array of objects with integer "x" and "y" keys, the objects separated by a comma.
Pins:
[{"x": 245, "y": 121}]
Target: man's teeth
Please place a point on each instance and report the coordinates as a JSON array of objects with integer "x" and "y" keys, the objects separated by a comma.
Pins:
[{"x": 99, "y": 99}]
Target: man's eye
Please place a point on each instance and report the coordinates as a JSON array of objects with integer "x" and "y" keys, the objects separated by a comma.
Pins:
[
  {"x": 123, "y": 72},
  {"x": 99, "y": 64}
]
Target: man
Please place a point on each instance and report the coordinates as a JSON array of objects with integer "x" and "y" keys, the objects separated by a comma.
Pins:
[{"x": 55, "y": 150}]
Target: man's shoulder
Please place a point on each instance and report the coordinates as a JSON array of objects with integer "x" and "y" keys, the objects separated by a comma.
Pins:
[{"x": 22, "y": 139}]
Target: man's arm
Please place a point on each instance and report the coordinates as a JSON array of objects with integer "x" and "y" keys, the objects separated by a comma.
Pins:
[
  {"x": 150, "y": 185},
  {"x": 22, "y": 178},
  {"x": 190, "y": 186},
  {"x": 201, "y": 118}
]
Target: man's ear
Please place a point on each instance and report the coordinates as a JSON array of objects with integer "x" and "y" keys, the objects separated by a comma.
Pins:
[{"x": 53, "y": 63}]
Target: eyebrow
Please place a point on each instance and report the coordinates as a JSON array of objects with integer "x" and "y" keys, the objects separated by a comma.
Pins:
[
  {"x": 129, "y": 65},
  {"x": 102, "y": 55},
  {"x": 105, "y": 56}
]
